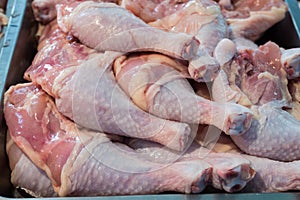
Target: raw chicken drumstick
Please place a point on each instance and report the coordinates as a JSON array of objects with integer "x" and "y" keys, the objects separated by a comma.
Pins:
[
  {"x": 276, "y": 127},
  {"x": 204, "y": 20},
  {"x": 153, "y": 84},
  {"x": 271, "y": 175},
  {"x": 83, "y": 163},
  {"x": 84, "y": 87},
  {"x": 231, "y": 172},
  {"x": 87, "y": 20},
  {"x": 109, "y": 27}
]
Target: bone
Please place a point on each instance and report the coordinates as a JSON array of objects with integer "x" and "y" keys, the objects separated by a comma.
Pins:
[
  {"x": 231, "y": 172},
  {"x": 270, "y": 175},
  {"x": 276, "y": 128},
  {"x": 160, "y": 89},
  {"x": 80, "y": 162},
  {"x": 87, "y": 20},
  {"x": 290, "y": 60},
  {"x": 82, "y": 82},
  {"x": 225, "y": 51},
  {"x": 204, "y": 67}
]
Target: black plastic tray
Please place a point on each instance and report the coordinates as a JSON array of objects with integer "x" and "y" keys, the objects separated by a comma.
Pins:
[{"x": 17, "y": 49}]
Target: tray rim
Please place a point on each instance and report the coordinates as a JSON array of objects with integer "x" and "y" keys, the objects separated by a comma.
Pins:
[{"x": 15, "y": 12}]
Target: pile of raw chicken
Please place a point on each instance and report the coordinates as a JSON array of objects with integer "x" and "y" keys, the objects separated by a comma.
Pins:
[{"x": 142, "y": 97}]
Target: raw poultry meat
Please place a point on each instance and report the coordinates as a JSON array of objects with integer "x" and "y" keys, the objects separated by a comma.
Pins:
[
  {"x": 123, "y": 31},
  {"x": 152, "y": 10},
  {"x": 250, "y": 19},
  {"x": 231, "y": 172},
  {"x": 86, "y": 21},
  {"x": 75, "y": 75},
  {"x": 154, "y": 84},
  {"x": 271, "y": 175},
  {"x": 256, "y": 78},
  {"x": 253, "y": 76},
  {"x": 260, "y": 74},
  {"x": 268, "y": 127},
  {"x": 290, "y": 60},
  {"x": 45, "y": 11},
  {"x": 225, "y": 51},
  {"x": 204, "y": 20},
  {"x": 79, "y": 162},
  {"x": 294, "y": 88},
  {"x": 127, "y": 84},
  {"x": 38, "y": 184}
]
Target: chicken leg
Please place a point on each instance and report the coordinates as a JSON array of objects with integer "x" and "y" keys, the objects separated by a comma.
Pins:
[
  {"x": 80, "y": 162},
  {"x": 271, "y": 175},
  {"x": 153, "y": 84},
  {"x": 231, "y": 172},
  {"x": 262, "y": 86},
  {"x": 109, "y": 27},
  {"x": 84, "y": 87}
]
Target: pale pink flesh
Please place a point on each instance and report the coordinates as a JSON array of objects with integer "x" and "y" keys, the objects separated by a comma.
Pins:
[
  {"x": 157, "y": 87},
  {"x": 250, "y": 19},
  {"x": 150, "y": 11},
  {"x": 271, "y": 175},
  {"x": 258, "y": 74},
  {"x": 81, "y": 162},
  {"x": 84, "y": 87},
  {"x": 274, "y": 127},
  {"x": 231, "y": 172},
  {"x": 34, "y": 181},
  {"x": 290, "y": 60},
  {"x": 257, "y": 79},
  {"x": 204, "y": 20},
  {"x": 123, "y": 31},
  {"x": 44, "y": 10}
]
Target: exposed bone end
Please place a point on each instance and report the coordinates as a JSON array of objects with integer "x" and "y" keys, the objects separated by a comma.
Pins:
[
  {"x": 204, "y": 73},
  {"x": 290, "y": 60},
  {"x": 231, "y": 172},
  {"x": 235, "y": 179},
  {"x": 235, "y": 119},
  {"x": 204, "y": 68},
  {"x": 190, "y": 49},
  {"x": 177, "y": 138},
  {"x": 225, "y": 51},
  {"x": 238, "y": 124}
]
